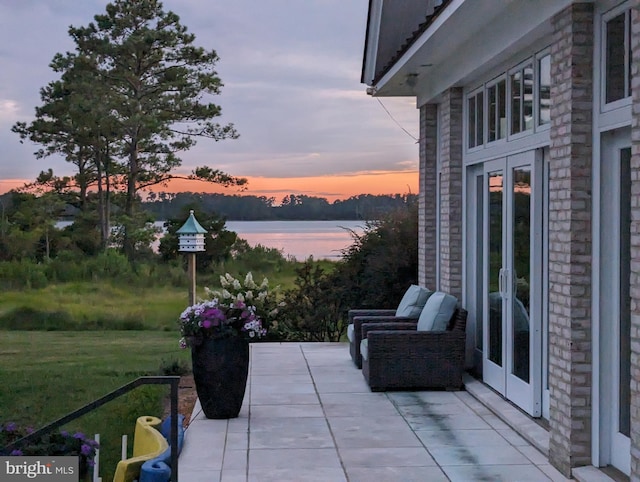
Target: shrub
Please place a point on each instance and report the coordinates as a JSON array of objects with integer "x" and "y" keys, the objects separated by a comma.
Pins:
[
  {"x": 312, "y": 310},
  {"x": 174, "y": 367},
  {"x": 374, "y": 272}
]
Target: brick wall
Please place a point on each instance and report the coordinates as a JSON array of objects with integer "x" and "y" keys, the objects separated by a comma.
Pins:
[
  {"x": 427, "y": 228},
  {"x": 570, "y": 364},
  {"x": 451, "y": 193},
  {"x": 635, "y": 243}
]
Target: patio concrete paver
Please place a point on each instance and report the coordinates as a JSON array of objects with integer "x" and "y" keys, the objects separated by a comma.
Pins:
[{"x": 309, "y": 416}]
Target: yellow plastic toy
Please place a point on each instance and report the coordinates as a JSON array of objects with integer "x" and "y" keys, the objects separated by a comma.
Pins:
[{"x": 148, "y": 443}]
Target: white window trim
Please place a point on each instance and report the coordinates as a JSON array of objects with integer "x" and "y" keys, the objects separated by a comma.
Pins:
[
  {"x": 601, "y": 39},
  {"x": 520, "y": 68},
  {"x": 472, "y": 94},
  {"x": 535, "y": 137},
  {"x": 488, "y": 85},
  {"x": 536, "y": 109}
]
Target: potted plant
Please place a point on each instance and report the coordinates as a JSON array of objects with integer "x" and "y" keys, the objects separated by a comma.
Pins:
[
  {"x": 54, "y": 443},
  {"x": 218, "y": 330}
]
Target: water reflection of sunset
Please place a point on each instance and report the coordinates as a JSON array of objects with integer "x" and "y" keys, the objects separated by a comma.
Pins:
[{"x": 521, "y": 185}]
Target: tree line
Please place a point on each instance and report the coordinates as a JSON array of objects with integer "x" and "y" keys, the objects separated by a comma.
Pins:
[
  {"x": 134, "y": 94},
  {"x": 163, "y": 206}
]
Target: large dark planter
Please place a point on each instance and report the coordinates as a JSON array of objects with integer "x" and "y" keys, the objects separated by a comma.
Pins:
[{"x": 220, "y": 369}]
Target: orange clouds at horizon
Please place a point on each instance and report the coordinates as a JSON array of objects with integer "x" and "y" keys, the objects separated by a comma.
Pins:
[{"x": 329, "y": 187}]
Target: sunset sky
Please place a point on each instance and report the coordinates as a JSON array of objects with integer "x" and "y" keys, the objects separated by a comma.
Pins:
[{"x": 291, "y": 74}]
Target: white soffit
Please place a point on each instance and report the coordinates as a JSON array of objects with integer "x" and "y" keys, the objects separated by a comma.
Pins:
[{"x": 469, "y": 36}]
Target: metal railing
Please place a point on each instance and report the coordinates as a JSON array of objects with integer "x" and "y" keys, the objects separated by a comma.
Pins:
[{"x": 159, "y": 380}]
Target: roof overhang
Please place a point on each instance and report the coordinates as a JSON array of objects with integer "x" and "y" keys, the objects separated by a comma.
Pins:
[{"x": 467, "y": 38}]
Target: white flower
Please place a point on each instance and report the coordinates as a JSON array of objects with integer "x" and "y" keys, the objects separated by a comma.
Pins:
[
  {"x": 236, "y": 284},
  {"x": 229, "y": 278},
  {"x": 248, "y": 295},
  {"x": 273, "y": 312},
  {"x": 248, "y": 281},
  {"x": 226, "y": 294},
  {"x": 265, "y": 283},
  {"x": 262, "y": 295},
  {"x": 223, "y": 281},
  {"x": 282, "y": 304},
  {"x": 240, "y": 297}
]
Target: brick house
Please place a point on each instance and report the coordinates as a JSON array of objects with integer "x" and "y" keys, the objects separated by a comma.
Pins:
[{"x": 530, "y": 199}]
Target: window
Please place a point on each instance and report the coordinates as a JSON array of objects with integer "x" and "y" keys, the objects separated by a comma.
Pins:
[
  {"x": 521, "y": 82},
  {"x": 475, "y": 116},
  {"x": 515, "y": 103},
  {"x": 544, "y": 90},
  {"x": 497, "y": 99},
  {"x": 617, "y": 57}
]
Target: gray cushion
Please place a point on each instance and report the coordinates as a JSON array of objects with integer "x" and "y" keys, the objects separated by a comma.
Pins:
[
  {"x": 350, "y": 332},
  {"x": 437, "y": 312},
  {"x": 364, "y": 349},
  {"x": 413, "y": 301}
]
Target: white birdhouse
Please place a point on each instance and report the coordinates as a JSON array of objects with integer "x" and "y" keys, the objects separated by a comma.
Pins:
[{"x": 191, "y": 236}]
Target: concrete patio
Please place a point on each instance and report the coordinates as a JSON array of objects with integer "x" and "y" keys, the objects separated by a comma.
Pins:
[{"x": 308, "y": 415}]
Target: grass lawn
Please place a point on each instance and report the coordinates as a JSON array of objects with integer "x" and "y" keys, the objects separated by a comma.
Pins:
[
  {"x": 46, "y": 375},
  {"x": 97, "y": 305}
]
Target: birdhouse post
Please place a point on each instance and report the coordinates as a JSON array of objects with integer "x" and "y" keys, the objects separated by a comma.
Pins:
[{"x": 191, "y": 241}]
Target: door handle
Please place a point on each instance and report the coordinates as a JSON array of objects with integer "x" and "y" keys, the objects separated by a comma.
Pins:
[
  {"x": 501, "y": 282},
  {"x": 505, "y": 283}
]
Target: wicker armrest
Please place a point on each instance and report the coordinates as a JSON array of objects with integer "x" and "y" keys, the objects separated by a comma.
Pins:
[
  {"x": 358, "y": 321},
  {"x": 368, "y": 327},
  {"x": 370, "y": 312}
]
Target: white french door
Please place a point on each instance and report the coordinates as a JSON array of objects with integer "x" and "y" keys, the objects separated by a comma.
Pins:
[
  {"x": 512, "y": 272},
  {"x": 615, "y": 299}
]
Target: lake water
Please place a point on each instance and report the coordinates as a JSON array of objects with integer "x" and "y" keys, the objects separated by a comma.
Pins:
[{"x": 299, "y": 239}]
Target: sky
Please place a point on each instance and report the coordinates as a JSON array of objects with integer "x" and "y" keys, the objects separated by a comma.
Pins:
[{"x": 291, "y": 74}]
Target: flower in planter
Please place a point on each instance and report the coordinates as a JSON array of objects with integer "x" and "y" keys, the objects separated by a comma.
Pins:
[
  {"x": 237, "y": 309},
  {"x": 55, "y": 443}
]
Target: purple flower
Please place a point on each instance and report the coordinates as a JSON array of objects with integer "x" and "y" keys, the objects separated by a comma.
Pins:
[
  {"x": 78, "y": 435},
  {"x": 214, "y": 313},
  {"x": 16, "y": 452},
  {"x": 85, "y": 449},
  {"x": 11, "y": 427},
  {"x": 206, "y": 324}
]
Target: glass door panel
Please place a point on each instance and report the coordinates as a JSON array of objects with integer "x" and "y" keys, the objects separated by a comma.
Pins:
[
  {"x": 615, "y": 300},
  {"x": 495, "y": 272},
  {"x": 624, "y": 379},
  {"x": 513, "y": 347},
  {"x": 521, "y": 271}
]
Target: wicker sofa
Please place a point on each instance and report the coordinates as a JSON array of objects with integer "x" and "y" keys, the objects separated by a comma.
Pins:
[
  {"x": 397, "y": 356},
  {"x": 408, "y": 310}
]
